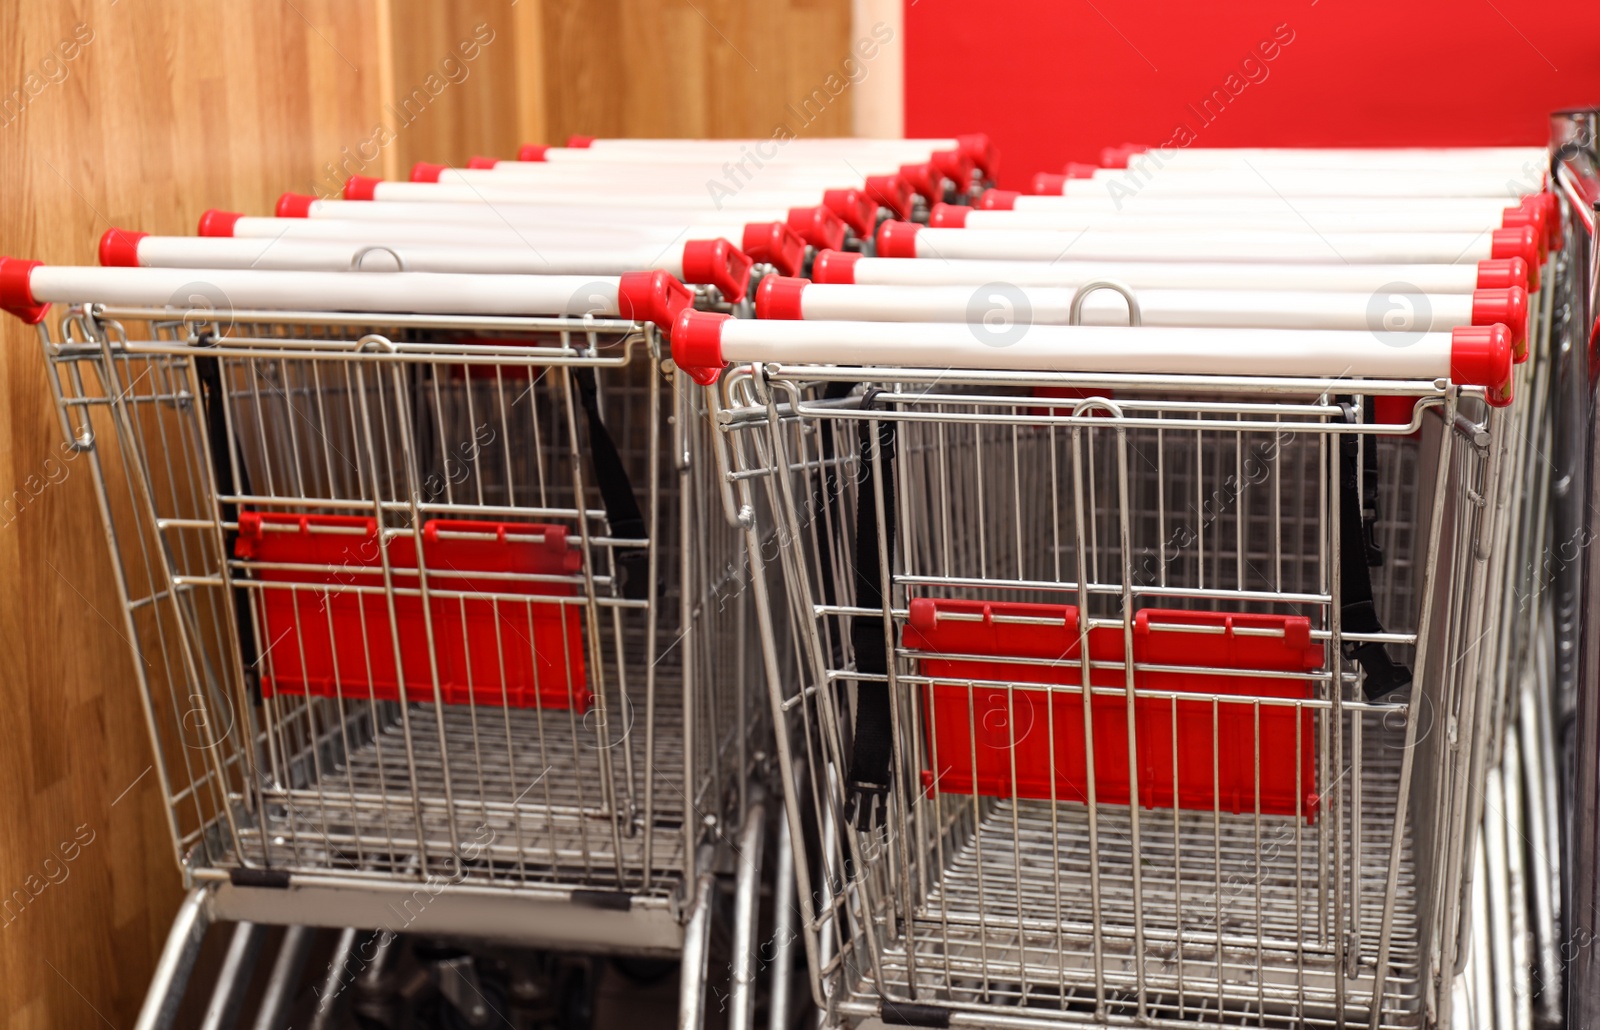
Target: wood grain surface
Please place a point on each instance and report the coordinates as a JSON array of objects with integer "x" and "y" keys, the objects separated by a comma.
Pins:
[{"x": 164, "y": 109}]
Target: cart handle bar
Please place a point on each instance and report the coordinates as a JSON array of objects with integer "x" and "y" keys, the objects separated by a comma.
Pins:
[
  {"x": 28, "y": 288},
  {"x": 704, "y": 343}
]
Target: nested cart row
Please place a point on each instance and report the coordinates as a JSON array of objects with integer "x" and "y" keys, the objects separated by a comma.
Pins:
[
  {"x": 1145, "y": 675},
  {"x": 483, "y": 576}
]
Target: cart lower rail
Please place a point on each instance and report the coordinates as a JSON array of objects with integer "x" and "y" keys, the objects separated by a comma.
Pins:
[
  {"x": 518, "y": 811},
  {"x": 1236, "y": 921}
]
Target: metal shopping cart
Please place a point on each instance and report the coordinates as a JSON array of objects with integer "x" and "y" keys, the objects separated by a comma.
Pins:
[
  {"x": 1140, "y": 674},
  {"x": 420, "y": 604}
]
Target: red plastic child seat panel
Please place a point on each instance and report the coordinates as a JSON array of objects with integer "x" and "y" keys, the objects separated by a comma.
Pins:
[
  {"x": 323, "y": 635},
  {"x": 977, "y": 734}
]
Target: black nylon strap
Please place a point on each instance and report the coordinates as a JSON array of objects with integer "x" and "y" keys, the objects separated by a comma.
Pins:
[
  {"x": 1357, "y": 613},
  {"x": 209, "y": 371},
  {"x": 867, "y": 784},
  {"x": 1369, "y": 489},
  {"x": 616, "y": 491},
  {"x": 824, "y": 497}
]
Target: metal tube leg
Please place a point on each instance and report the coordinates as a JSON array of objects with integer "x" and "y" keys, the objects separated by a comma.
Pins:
[
  {"x": 696, "y": 945},
  {"x": 233, "y": 978},
  {"x": 333, "y": 983},
  {"x": 746, "y": 918},
  {"x": 783, "y": 935},
  {"x": 285, "y": 978},
  {"x": 171, "y": 977}
]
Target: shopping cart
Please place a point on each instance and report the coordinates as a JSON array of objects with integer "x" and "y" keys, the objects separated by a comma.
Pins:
[
  {"x": 419, "y": 603},
  {"x": 1257, "y": 811}
]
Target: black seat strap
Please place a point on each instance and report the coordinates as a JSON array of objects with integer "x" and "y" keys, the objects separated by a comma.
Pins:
[
  {"x": 208, "y": 370},
  {"x": 824, "y": 498},
  {"x": 616, "y": 491},
  {"x": 1357, "y": 612},
  {"x": 868, "y": 781}
]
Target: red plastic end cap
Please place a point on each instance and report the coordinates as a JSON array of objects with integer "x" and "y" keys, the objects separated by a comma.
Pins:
[
  {"x": 980, "y": 151},
  {"x": 948, "y": 216},
  {"x": 1508, "y": 307},
  {"x": 652, "y": 297},
  {"x": 1518, "y": 242},
  {"x": 898, "y": 240},
  {"x": 361, "y": 187},
  {"x": 1502, "y": 274},
  {"x": 1079, "y": 170},
  {"x": 1047, "y": 185},
  {"x": 1552, "y": 216},
  {"x": 892, "y": 192},
  {"x": 119, "y": 248},
  {"x": 817, "y": 226},
  {"x": 218, "y": 223},
  {"x": 778, "y": 296},
  {"x": 717, "y": 263},
  {"x": 531, "y": 152},
  {"x": 925, "y": 179},
  {"x": 697, "y": 344},
  {"x": 771, "y": 243},
  {"x": 482, "y": 163},
  {"x": 854, "y": 208},
  {"x": 16, "y": 293},
  {"x": 424, "y": 171},
  {"x": 294, "y": 205},
  {"x": 1533, "y": 218},
  {"x": 998, "y": 200},
  {"x": 953, "y": 165},
  {"x": 1480, "y": 355},
  {"x": 1119, "y": 156},
  {"x": 579, "y": 142},
  {"x": 834, "y": 266}
]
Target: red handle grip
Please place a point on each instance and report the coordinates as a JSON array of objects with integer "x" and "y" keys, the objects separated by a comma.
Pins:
[
  {"x": 119, "y": 248},
  {"x": 892, "y": 192},
  {"x": 652, "y": 297},
  {"x": 772, "y": 243},
  {"x": 818, "y": 226},
  {"x": 778, "y": 296},
  {"x": 697, "y": 344},
  {"x": 854, "y": 208},
  {"x": 717, "y": 263},
  {"x": 16, "y": 291}
]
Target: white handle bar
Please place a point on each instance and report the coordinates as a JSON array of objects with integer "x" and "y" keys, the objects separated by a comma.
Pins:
[
  {"x": 1387, "y": 314},
  {"x": 710, "y": 262},
  {"x": 1296, "y": 183},
  {"x": 814, "y": 224},
  {"x": 701, "y": 179},
  {"x": 902, "y": 239},
  {"x": 841, "y": 267},
  {"x": 849, "y": 203},
  {"x": 704, "y": 343},
  {"x": 476, "y": 234},
  {"x": 1134, "y": 220},
  {"x": 502, "y": 216},
  {"x": 1499, "y": 160},
  {"x": 640, "y": 296},
  {"x": 1143, "y": 203}
]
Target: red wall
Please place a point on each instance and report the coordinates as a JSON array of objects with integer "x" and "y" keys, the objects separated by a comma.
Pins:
[{"x": 1056, "y": 80}]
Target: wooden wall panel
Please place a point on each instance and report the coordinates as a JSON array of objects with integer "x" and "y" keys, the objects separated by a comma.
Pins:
[
  {"x": 169, "y": 108},
  {"x": 708, "y": 68},
  {"x": 173, "y": 107},
  {"x": 486, "y": 105}
]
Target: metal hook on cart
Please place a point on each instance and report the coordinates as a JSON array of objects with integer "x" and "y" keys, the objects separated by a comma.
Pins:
[
  {"x": 360, "y": 255},
  {"x": 1075, "y": 312}
]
